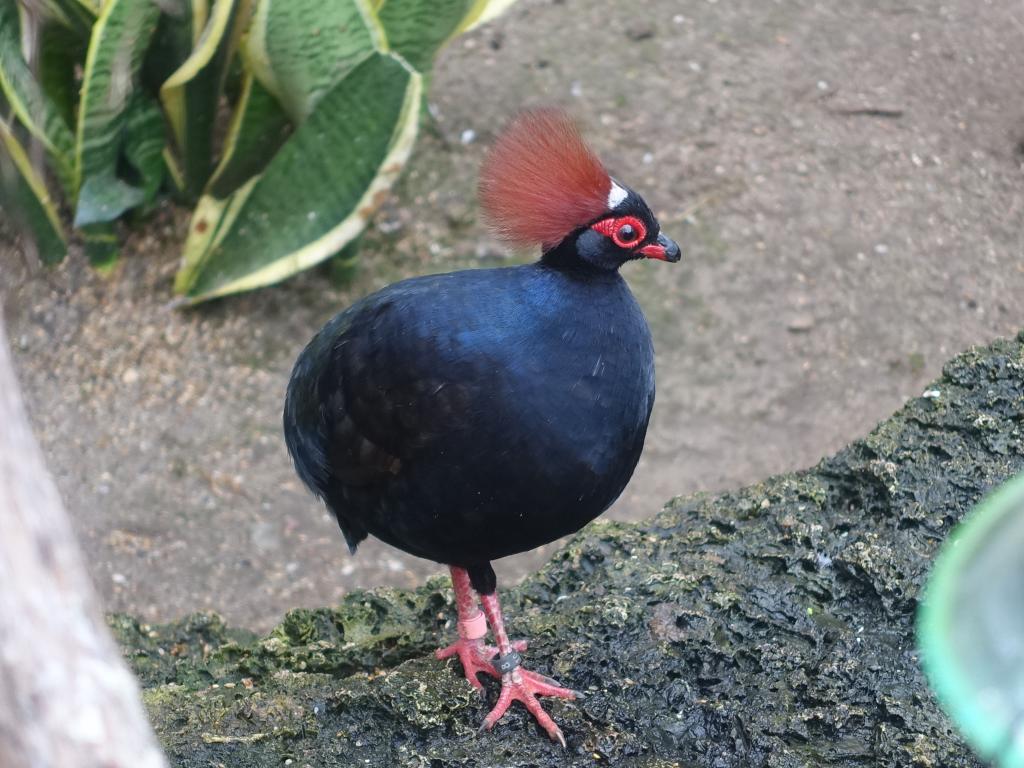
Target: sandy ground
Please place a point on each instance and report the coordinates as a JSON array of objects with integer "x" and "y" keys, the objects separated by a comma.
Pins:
[{"x": 845, "y": 180}]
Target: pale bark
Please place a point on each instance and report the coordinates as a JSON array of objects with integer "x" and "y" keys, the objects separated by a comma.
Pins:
[{"x": 67, "y": 698}]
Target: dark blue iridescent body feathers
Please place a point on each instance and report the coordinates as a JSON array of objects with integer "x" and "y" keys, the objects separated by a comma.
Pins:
[{"x": 468, "y": 416}]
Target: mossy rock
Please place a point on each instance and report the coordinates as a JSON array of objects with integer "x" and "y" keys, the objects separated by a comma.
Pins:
[{"x": 771, "y": 626}]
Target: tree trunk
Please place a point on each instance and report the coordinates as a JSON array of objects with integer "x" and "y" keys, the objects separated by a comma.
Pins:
[{"x": 66, "y": 696}]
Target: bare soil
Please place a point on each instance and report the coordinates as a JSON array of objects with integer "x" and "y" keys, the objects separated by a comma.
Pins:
[{"x": 845, "y": 180}]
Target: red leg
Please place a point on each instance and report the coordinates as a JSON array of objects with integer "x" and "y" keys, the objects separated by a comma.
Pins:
[
  {"x": 519, "y": 684},
  {"x": 472, "y": 627}
]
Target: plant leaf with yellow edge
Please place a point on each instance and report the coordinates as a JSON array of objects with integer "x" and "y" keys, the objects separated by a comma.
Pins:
[
  {"x": 61, "y": 51},
  {"x": 144, "y": 144},
  {"x": 176, "y": 36},
  {"x": 118, "y": 42},
  {"x": 482, "y": 12},
  {"x": 190, "y": 97},
  {"x": 259, "y": 126},
  {"x": 101, "y": 245},
  {"x": 31, "y": 105},
  {"x": 417, "y": 29},
  {"x": 298, "y": 49},
  {"x": 24, "y": 196},
  {"x": 211, "y": 221},
  {"x": 319, "y": 191},
  {"x": 76, "y": 15}
]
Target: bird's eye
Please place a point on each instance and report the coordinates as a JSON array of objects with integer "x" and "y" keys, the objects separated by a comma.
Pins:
[{"x": 624, "y": 231}]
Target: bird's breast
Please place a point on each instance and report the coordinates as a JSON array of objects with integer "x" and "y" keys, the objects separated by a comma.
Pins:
[{"x": 582, "y": 385}]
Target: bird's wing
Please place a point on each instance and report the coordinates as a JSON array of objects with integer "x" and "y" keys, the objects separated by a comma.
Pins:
[
  {"x": 403, "y": 373},
  {"x": 372, "y": 390},
  {"x": 390, "y": 388}
]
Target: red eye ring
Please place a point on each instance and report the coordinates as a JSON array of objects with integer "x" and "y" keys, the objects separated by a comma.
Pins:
[{"x": 614, "y": 227}]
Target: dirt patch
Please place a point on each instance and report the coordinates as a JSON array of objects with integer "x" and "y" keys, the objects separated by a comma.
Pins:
[{"x": 844, "y": 179}]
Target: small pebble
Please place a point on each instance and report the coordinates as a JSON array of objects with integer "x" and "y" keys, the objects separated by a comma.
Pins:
[
  {"x": 638, "y": 33},
  {"x": 800, "y": 323}
]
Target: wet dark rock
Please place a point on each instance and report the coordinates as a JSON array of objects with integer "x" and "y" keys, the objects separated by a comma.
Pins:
[{"x": 770, "y": 626}]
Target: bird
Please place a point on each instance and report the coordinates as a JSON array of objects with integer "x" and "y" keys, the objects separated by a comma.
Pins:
[{"x": 467, "y": 416}]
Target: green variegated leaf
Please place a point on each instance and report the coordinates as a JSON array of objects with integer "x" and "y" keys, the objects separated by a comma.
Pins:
[
  {"x": 318, "y": 192},
  {"x": 23, "y": 195},
  {"x": 119, "y": 39},
  {"x": 60, "y": 51},
  {"x": 417, "y": 29},
  {"x": 211, "y": 221},
  {"x": 258, "y": 128},
  {"x": 190, "y": 96},
  {"x": 482, "y": 12},
  {"x": 31, "y": 105},
  {"x": 240, "y": 25},
  {"x": 298, "y": 49},
  {"x": 104, "y": 197},
  {"x": 75, "y": 15},
  {"x": 144, "y": 144},
  {"x": 174, "y": 171},
  {"x": 175, "y": 36},
  {"x": 90, "y": 8},
  {"x": 101, "y": 247}
]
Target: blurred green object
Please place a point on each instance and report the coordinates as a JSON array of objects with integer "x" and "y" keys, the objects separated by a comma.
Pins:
[
  {"x": 24, "y": 198},
  {"x": 326, "y": 101},
  {"x": 971, "y": 626}
]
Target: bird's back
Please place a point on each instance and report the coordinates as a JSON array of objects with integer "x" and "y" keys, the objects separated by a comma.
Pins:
[{"x": 474, "y": 414}]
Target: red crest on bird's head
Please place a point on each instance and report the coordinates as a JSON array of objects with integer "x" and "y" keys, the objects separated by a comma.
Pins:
[{"x": 540, "y": 180}]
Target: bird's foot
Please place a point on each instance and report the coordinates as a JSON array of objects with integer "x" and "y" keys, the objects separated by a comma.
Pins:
[
  {"x": 525, "y": 686},
  {"x": 476, "y": 657}
]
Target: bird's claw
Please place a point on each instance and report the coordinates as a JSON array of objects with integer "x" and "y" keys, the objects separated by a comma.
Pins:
[
  {"x": 525, "y": 686},
  {"x": 475, "y": 658}
]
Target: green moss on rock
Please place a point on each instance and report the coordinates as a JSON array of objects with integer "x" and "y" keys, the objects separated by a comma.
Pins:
[{"x": 770, "y": 626}]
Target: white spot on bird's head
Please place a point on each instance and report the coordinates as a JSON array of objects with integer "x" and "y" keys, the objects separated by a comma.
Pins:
[{"x": 616, "y": 195}]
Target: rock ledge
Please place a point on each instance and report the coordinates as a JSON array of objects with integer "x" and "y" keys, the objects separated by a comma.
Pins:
[{"x": 770, "y": 626}]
